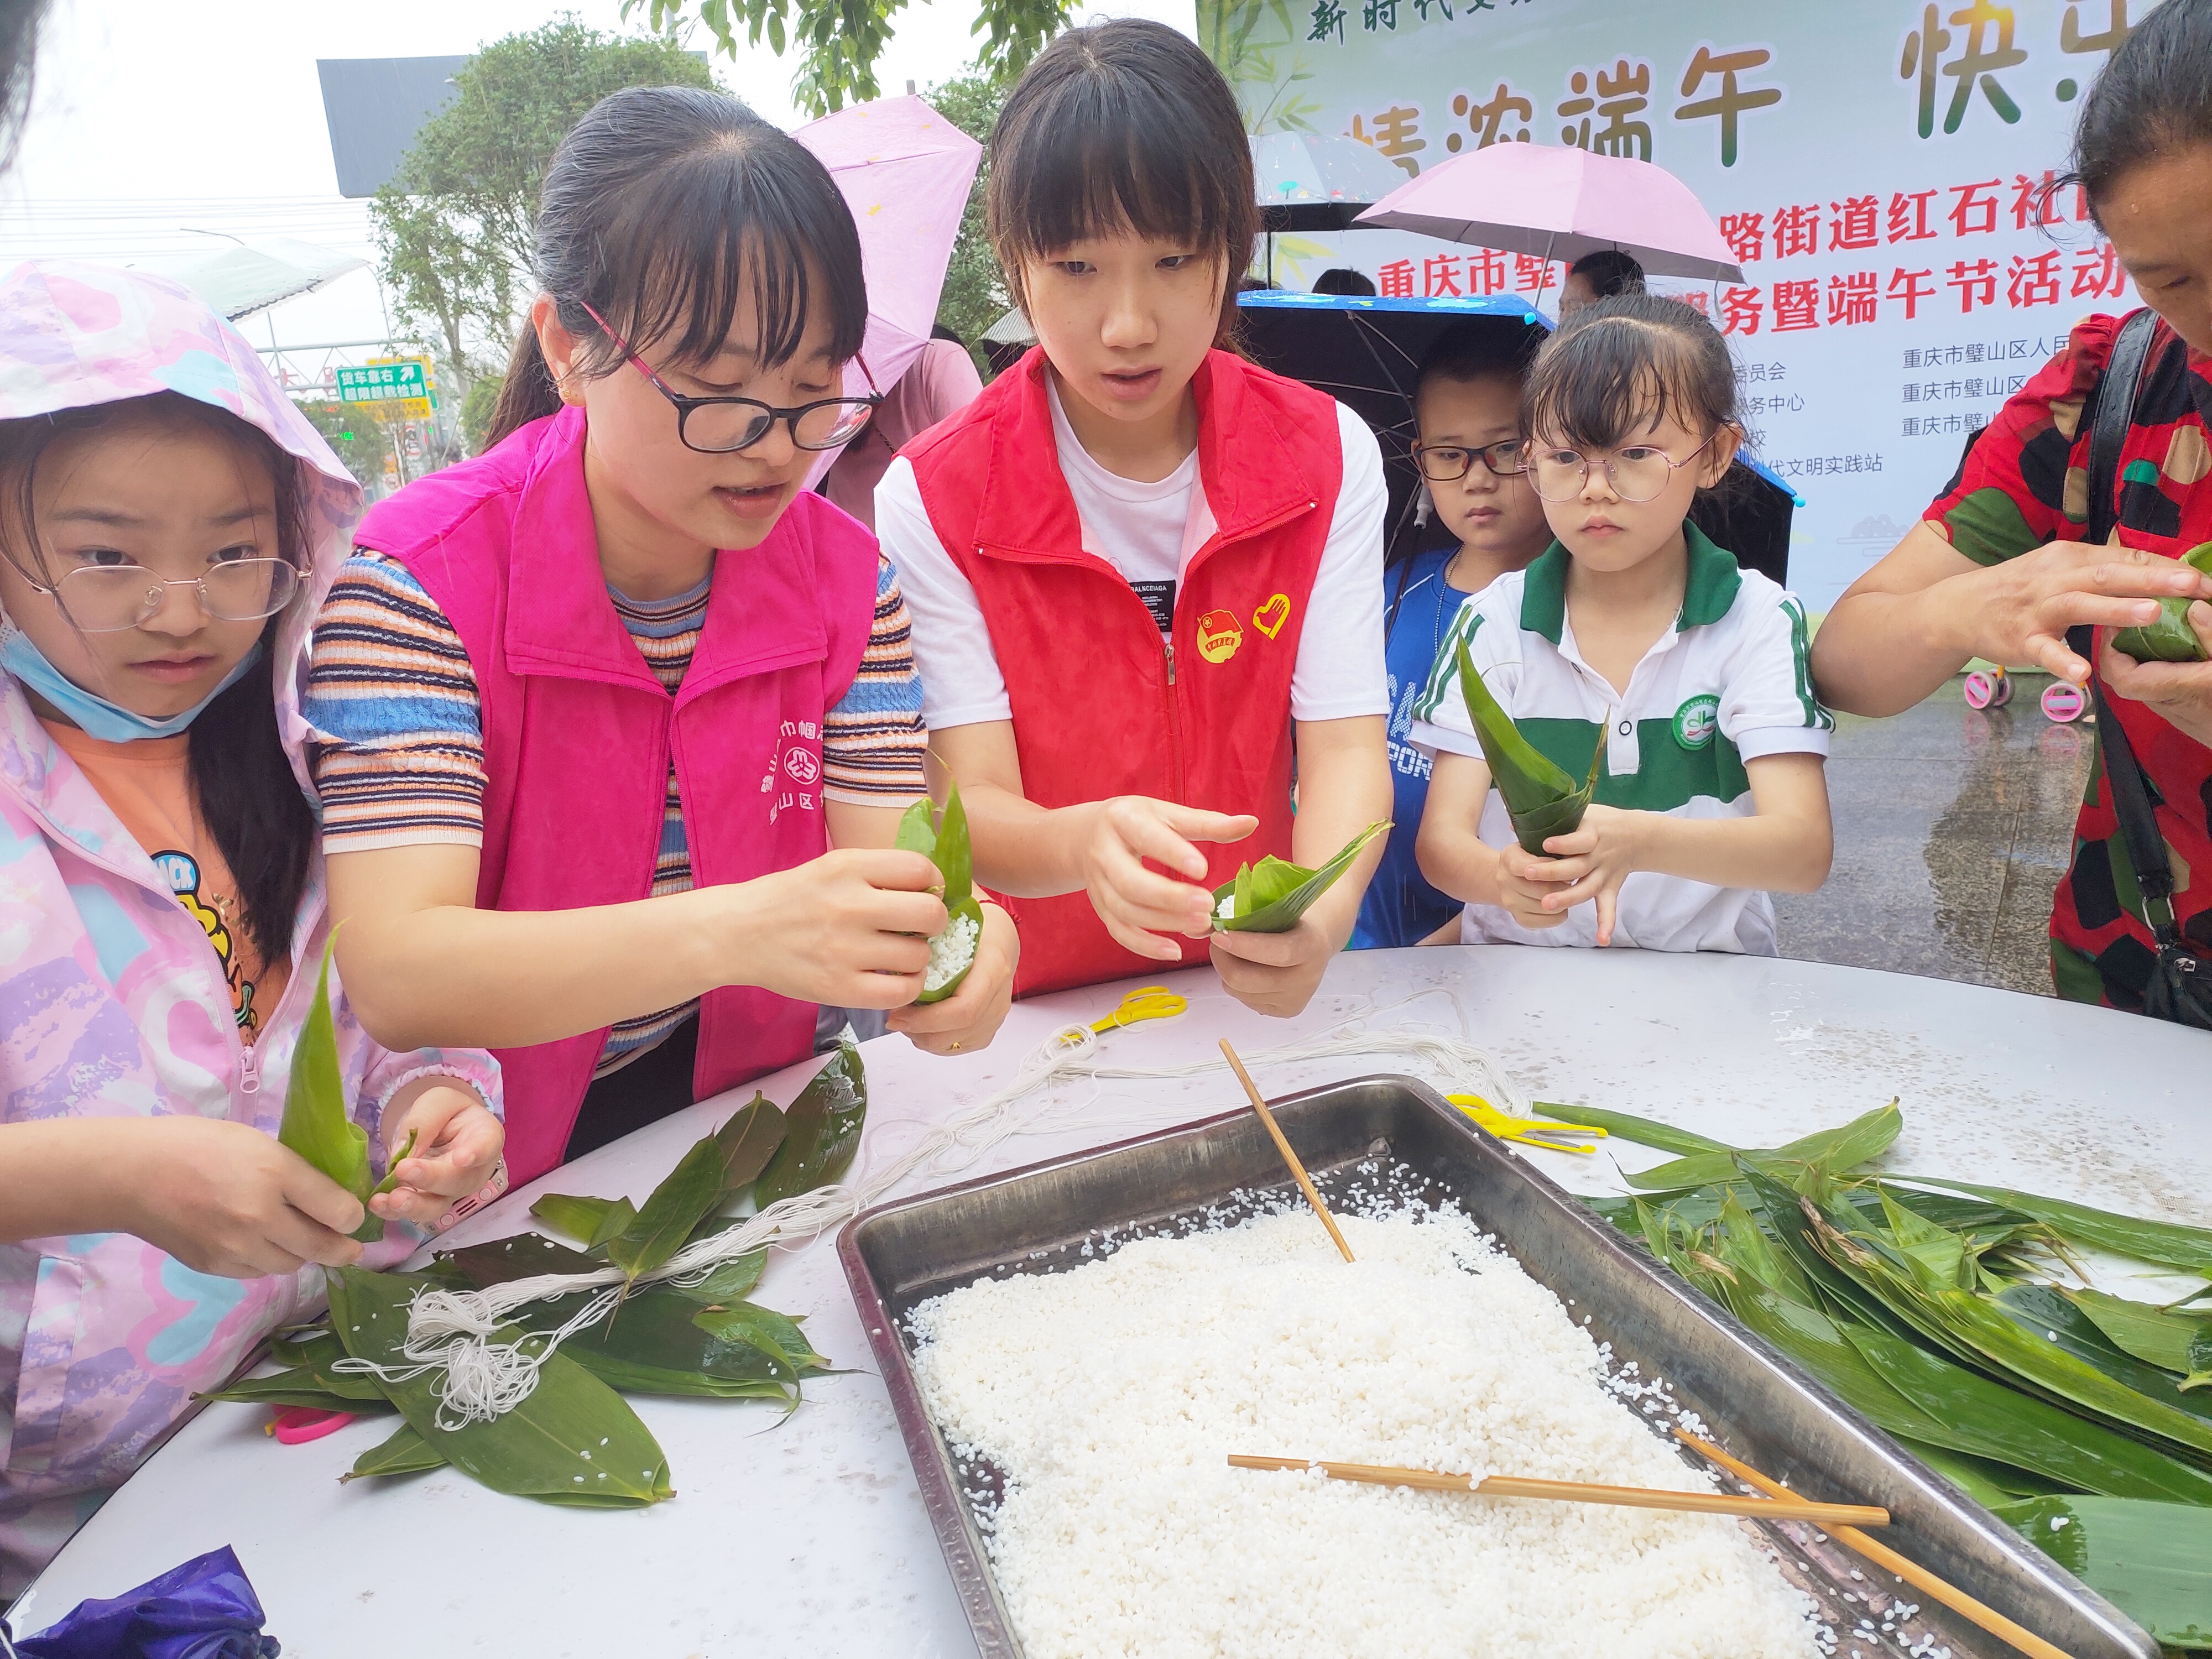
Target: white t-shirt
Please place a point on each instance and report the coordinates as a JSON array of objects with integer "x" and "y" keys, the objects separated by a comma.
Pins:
[
  {"x": 1727, "y": 685},
  {"x": 1148, "y": 531}
]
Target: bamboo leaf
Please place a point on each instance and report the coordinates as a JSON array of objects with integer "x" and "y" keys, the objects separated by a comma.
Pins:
[
  {"x": 672, "y": 1210},
  {"x": 315, "y": 1124},
  {"x": 1991, "y": 1484},
  {"x": 574, "y": 1441},
  {"x": 659, "y": 1340},
  {"x": 749, "y": 1138},
  {"x": 1271, "y": 896},
  {"x": 773, "y": 1334},
  {"x": 2042, "y": 1314},
  {"x": 1831, "y": 1151},
  {"x": 1643, "y": 1131},
  {"x": 2148, "y": 1559},
  {"x": 916, "y": 831},
  {"x": 525, "y": 1256},
  {"x": 733, "y": 1281},
  {"x": 579, "y": 1218},
  {"x": 821, "y": 1130},
  {"x": 2167, "y": 1243},
  {"x": 1989, "y": 1419},
  {"x": 305, "y": 1387},
  {"x": 405, "y": 1453},
  {"x": 2154, "y": 1335}
]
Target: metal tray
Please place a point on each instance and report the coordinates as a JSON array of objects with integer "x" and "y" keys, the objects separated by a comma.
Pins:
[{"x": 1755, "y": 1402}]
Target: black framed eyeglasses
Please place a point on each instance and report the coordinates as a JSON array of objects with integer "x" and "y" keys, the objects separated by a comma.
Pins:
[
  {"x": 1445, "y": 463},
  {"x": 722, "y": 426}
]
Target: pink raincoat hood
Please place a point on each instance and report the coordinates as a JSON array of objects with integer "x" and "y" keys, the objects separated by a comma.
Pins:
[{"x": 74, "y": 335}]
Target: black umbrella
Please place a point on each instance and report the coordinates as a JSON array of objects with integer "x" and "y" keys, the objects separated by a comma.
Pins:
[{"x": 1367, "y": 352}]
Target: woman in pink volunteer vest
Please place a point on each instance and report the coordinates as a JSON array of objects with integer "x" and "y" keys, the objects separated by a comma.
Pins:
[{"x": 594, "y": 708}]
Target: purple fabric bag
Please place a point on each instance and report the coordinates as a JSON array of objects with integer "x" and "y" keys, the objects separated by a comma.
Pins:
[{"x": 204, "y": 1609}]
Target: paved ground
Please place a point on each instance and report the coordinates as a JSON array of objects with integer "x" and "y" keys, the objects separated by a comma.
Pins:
[{"x": 1952, "y": 829}]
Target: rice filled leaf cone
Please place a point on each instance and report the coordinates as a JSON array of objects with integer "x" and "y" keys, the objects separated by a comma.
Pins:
[
  {"x": 574, "y": 1441},
  {"x": 946, "y": 844},
  {"x": 821, "y": 1133},
  {"x": 2170, "y": 639},
  {"x": 315, "y": 1124},
  {"x": 1540, "y": 798},
  {"x": 1271, "y": 896}
]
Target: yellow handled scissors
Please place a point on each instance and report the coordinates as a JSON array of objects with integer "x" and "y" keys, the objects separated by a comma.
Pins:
[
  {"x": 1529, "y": 1131},
  {"x": 1147, "y": 1002}
]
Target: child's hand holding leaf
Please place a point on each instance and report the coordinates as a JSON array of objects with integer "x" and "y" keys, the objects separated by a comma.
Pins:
[
  {"x": 1588, "y": 864},
  {"x": 443, "y": 1143}
]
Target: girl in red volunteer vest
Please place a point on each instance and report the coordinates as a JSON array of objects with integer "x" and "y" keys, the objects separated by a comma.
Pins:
[
  {"x": 595, "y": 707},
  {"x": 1146, "y": 575}
]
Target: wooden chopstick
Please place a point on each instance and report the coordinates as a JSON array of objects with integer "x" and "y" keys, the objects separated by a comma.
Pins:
[
  {"x": 1791, "y": 1508},
  {"x": 1882, "y": 1556},
  {"x": 1305, "y": 1182}
]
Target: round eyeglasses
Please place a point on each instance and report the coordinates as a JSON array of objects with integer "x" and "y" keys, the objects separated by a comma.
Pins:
[
  {"x": 1443, "y": 463},
  {"x": 1638, "y": 473},
  {"x": 722, "y": 426},
  {"x": 107, "y": 599}
]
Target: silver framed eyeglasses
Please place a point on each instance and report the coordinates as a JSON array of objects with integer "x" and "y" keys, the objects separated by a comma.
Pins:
[
  {"x": 107, "y": 599},
  {"x": 1445, "y": 462},
  {"x": 1638, "y": 472},
  {"x": 723, "y": 426}
]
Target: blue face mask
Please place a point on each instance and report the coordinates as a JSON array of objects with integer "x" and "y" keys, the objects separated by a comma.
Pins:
[{"x": 95, "y": 715}]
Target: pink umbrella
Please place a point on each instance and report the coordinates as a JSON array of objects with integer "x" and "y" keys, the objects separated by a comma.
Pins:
[
  {"x": 905, "y": 172},
  {"x": 1562, "y": 203}
]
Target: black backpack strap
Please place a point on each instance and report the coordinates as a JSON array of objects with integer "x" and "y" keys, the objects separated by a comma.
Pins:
[{"x": 2124, "y": 774}]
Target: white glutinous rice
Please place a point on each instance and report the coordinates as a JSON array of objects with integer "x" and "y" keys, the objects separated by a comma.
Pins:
[
  {"x": 951, "y": 952},
  {"x": 1109, "y": 1395},
  {"x": 1227, "y": 909}
]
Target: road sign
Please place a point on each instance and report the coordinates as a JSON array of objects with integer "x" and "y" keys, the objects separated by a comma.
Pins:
[{"x": 403, "y": 381}]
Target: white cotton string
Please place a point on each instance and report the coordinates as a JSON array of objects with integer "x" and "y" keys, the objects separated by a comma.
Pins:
[{"x": 453, "y": 1329}]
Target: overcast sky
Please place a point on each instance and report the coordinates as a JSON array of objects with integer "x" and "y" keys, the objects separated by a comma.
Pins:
[{"x": 153, "y": 118}]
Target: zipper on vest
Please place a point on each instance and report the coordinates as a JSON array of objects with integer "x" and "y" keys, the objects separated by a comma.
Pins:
[{"x": 1170, "y": 662}]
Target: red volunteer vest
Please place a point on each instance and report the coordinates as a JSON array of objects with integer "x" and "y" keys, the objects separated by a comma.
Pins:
[
  {"x": 577, "y": 734},
  {"x": 1103, "y": 706}
]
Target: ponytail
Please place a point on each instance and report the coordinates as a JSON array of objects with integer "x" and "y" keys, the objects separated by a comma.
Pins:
[{"x": 527, "y": 393}]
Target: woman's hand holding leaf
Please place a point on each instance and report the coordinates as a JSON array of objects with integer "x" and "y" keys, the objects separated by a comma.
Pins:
[
  {"x": 851, "y": 929},
  {"x": 456, "y": 1145},
  {"x": 2180, "y": 693},
  {"x": 1139, "y": 905},
  {"x": 225, "y": 1199},
  {"x": 971, "y": 1016}
]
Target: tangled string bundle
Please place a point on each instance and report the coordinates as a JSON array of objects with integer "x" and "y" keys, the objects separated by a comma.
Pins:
[{"x": 490, "y": 1369}]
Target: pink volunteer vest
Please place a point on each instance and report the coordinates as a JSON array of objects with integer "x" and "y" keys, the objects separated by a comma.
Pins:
[{"x": 577, "y": 734}]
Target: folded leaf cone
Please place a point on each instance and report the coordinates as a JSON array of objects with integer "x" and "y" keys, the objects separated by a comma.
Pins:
[
  {"x": 315, "y": 1124},
  {"x": 1269, "y": 896},
  {"x": 946, "y": 845},
  {"x": 1540, "y": 798},
  {"x": 2170, "y": 639}
]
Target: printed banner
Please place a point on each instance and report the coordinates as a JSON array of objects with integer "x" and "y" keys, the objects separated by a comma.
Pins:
[{"x": 1882, "y": 169}]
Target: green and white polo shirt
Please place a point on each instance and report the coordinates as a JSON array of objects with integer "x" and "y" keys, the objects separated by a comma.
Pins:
[{"x": 1727, "y": 684}]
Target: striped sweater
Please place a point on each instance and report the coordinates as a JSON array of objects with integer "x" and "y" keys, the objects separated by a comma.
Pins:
[{"x": 399, "y": 759}]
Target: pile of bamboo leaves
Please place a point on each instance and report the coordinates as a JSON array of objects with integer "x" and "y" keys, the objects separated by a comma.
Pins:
[
  {"x": 1958, "y": 1318},
  {"x": 575, "y": 1439}
]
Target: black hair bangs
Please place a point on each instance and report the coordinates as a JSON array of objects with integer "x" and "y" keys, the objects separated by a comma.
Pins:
[
  {"x": 1123, "y": 128},
  {"x": 734, "y": 228},
  {"x": 1618, "y": 368}
]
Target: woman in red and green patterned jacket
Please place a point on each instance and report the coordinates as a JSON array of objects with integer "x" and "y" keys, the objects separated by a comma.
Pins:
[{"x": 1999, "y": 567}]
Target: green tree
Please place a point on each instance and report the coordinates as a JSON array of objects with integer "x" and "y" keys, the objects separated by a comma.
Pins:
[
  {"x": 975, "y": 294},
  {"x": 839, "y": 41},
  {"x": 457, "y": 227}
]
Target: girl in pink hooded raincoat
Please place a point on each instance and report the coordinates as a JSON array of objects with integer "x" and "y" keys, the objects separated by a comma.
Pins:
[{"x": 169, "y": 523}]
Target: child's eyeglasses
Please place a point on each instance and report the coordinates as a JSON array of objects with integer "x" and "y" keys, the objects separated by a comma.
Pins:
[
  {"x": 1638, "y": 473},
  {"x": 107, "y": 599},
  {"x": 1442, "y": 464},
  {"x": 722, "y": 426}
]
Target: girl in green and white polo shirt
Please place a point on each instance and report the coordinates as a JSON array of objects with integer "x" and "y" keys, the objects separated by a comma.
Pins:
[{"x": 1634, "y": 630}]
